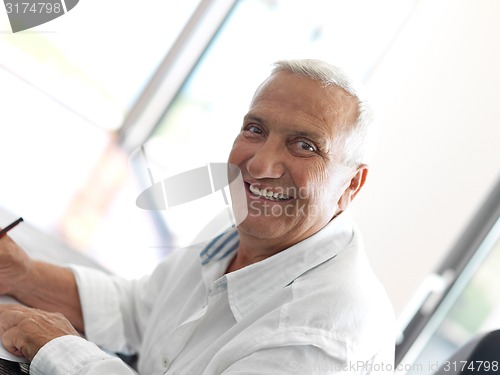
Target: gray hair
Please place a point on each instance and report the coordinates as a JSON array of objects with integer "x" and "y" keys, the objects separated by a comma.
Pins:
[{"x": 357, "y": 139}]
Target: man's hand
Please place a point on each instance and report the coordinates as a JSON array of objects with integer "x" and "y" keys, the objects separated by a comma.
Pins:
[{"x": 24, "y": 330}]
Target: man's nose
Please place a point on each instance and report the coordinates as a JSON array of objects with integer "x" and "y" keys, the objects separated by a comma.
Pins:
[{"x": 268, "y": 161}]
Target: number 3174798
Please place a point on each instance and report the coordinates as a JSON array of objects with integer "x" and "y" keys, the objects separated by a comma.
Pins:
[{"x": 33, "y": 7}]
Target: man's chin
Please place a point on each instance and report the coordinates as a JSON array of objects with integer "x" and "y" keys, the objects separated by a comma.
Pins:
[{"x": 260, "y": 227}]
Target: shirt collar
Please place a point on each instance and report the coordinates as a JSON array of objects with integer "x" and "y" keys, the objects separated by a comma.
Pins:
[{"x": 257, "y": 282}]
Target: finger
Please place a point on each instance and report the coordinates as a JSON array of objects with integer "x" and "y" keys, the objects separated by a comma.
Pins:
[
  {"x": 12, "y": 306},
  {"x": 6, "y": 310},
  {"x": 10, "y": 344},
  {"x": 10, "y": 316}
]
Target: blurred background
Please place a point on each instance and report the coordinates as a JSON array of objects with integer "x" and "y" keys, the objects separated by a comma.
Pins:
[{"x": 99, "y": 104}]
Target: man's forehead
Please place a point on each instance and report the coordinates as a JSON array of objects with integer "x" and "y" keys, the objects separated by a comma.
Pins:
[
  {"x": 284, "y": 82},
  {"x": 286, "y": 94}
]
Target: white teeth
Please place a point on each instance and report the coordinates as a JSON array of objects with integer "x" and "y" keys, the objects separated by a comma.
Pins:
[{"x": 264, "y": 193}]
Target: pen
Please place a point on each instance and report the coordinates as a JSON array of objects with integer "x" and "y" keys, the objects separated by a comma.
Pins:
[{"x": 10, "y": 226}]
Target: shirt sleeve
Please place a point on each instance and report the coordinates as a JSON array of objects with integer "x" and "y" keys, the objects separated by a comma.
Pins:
[
  {"x": 114, "y": 309},
  {"x": 77, "y": 356}
]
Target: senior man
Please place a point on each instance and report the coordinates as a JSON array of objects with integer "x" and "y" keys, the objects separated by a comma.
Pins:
[{"x": 288, "y": 291}]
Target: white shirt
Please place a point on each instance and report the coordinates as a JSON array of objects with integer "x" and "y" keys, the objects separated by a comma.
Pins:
[{"x": 314, "y": 308}]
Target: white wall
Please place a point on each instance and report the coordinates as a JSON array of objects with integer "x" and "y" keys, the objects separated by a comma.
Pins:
[{"x": 437, "y": 92}]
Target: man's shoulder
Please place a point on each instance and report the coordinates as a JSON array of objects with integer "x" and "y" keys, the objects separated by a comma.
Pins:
[
  {"x": 176, "y": 263},
  {"x": 342, "y": 297}
]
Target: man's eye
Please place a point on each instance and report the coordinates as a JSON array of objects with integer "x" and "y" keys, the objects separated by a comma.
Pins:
[
  {"x": 253, "y": 129},
  {"x": 306, "y": 146}
]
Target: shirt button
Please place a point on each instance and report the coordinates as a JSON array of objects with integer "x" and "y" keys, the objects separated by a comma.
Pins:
[{"x": 165, "y": 362}]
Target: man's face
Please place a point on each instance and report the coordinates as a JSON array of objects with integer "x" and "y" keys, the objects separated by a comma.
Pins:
[{"x": 294, "y": 180}]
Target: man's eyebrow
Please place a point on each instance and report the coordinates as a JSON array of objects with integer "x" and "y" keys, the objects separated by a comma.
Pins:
[
  {"x": 255, "y": 118},
  {"x": 307, "y": 134},
  {"x": 316, "y": 137}
]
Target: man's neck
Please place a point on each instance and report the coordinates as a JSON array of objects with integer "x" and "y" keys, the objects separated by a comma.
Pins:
[{"x": 252, "y": 249}]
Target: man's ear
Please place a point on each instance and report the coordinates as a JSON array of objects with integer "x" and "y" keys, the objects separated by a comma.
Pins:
[{"x": 357, "y": 182}]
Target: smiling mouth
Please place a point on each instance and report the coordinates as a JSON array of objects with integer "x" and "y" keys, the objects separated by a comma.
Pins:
[{"x": 268, "y": 194}]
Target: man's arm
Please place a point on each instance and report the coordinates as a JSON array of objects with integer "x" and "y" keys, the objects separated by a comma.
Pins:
[
  {"x": 38, "y": 284},
  {"x": 45, "y": 332},
  {"x": 51, "y": 288}
]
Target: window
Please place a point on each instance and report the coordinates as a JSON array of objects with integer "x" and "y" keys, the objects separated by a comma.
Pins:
[
  {"x": 96, "y": 62},
  {"x": 66, "y": 86},
  {"x": 466, "y": 304}
]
